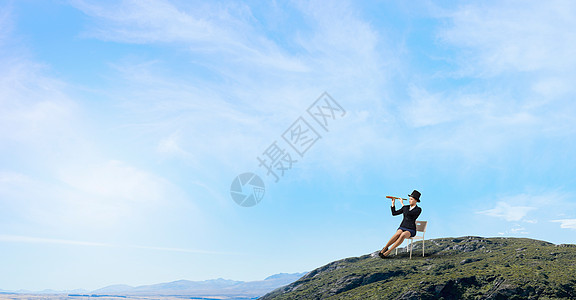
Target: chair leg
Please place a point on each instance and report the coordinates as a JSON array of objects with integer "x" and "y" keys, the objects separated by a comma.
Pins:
[
  {"x": 423, "y": 238},
  {"x": 422, "y": 246},
  {"x": 410, "y": 248}
]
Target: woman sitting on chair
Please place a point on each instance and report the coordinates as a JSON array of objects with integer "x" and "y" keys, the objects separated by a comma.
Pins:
[{"x": 407, "y": 228}]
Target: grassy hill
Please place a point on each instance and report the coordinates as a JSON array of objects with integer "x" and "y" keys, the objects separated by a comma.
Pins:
[{"x": 453, "y": 268}]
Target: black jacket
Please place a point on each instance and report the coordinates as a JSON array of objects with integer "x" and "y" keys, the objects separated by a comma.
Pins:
[{"x": 410, "y": 216}]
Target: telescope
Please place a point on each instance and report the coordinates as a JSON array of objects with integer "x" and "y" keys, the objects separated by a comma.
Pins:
[{"x": 394, "y": 198}]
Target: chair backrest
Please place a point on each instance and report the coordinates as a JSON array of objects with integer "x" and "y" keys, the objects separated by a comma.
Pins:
[{"x": 421, "y": 226}]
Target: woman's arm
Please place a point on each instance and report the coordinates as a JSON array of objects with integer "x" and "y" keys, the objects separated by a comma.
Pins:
[{"x": 396, "y": 212}]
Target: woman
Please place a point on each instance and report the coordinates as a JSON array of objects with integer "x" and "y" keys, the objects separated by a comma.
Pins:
[{"x": 407, "y": 227}]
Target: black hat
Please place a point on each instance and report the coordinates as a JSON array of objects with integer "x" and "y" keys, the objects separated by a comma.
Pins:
[{"x": 416, "y": 195}]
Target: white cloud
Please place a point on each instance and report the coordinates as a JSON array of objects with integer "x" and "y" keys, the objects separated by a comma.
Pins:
[
  {"x": 515, "y": 36},
  {"x": 508, "y": 212},
  {"x": 519, "y": 207},
  {"x": 206, "y": 28},
  {"x": 28, "y": 239},
  {"x": 89, "y": 195},
  {"x": 106, "y": 193},
  {"x": 172, "y": 146},
  {"x": 38, "y": 240},
  {"x": 44, "y": 131},
  {"x": 115, "y": 179},
  {"x": 9, "y": 178},
  {"x": 567, "y": 223},
  {"x": 258, "y": 66},
  {"x": 149, "y": 21},
  {"x": 5, "y": 24},
  {"x": 53, "y": 173},
  {"x": 516, "y": 229},
  {"x": 513, "y": 74},
  {"x": 33, "y": 106},
  {"x": 552, "y": 87},
  {"x": 264, "y": 80},
  {"x": 40, "y": 124},
  {"x": 427, "y": 109}
]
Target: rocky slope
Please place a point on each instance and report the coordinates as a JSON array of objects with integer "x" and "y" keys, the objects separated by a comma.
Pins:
[{"x": 453, "y": 268}]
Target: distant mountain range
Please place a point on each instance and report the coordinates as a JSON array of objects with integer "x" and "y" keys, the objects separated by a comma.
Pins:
[
  {"x": 217, "y": 288},
  {"x": 453, "y": 268}
]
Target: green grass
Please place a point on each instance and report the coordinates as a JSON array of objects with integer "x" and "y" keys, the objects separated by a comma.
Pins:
[{"x": 453, "y": 268}]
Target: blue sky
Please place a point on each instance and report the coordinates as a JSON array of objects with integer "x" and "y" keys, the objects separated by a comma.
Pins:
[{"x": 124, "y": 123}]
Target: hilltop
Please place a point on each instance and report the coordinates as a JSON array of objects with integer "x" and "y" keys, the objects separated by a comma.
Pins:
[{"x": 453, "y": 268}]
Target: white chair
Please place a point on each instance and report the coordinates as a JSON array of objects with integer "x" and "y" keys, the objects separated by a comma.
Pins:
[{"x": 420, "y": 226}]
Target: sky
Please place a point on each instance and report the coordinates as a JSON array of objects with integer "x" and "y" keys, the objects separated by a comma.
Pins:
[{"x": 123, "y": 125}]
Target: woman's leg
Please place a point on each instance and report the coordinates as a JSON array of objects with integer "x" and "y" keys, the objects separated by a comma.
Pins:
[
  {"x": 392, "y": 240},
  {"x": 404, "y": 235}
]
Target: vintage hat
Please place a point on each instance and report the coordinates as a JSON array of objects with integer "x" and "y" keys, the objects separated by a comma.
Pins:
[{"x": 416, "y": 195}]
